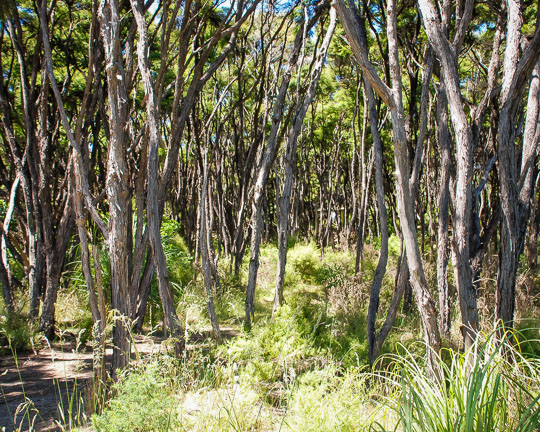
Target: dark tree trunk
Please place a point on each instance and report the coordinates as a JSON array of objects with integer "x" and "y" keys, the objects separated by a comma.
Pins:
[{"x": 444, "y": 201}]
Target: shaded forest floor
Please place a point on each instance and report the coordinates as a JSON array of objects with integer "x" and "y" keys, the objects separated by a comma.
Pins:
[{"x": 36, "y": 386}]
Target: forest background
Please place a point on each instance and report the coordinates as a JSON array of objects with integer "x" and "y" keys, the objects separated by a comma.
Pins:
[{"x": 349, "y": 172}]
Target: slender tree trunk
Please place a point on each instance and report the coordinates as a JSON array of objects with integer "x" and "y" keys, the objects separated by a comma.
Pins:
[
  {"x": 373, "y": 344},
  {"x": 145, "y": 286},
  {"x": 393, "y": 98},
  {"x": 54, "y": 267},
  {"x": 516, "y": 187},
  {"x": 532, "y": 241},
  {"x": 5, "y": 270},
  {"x": 25, "y": 167},
  {"x": 464, "y": 154},
  {"x": 290, "y": 163},
  {"x": 203, "y": 244},
  {"x": 402, "y": 281},
  {"x": 153, "y": 207},
  {"x": 444, "y": 200}
]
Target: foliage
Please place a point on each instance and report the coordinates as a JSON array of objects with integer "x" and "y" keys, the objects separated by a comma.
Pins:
[
  {"x": 179, "y": 259},
  {"x": 16, "y": 335}
]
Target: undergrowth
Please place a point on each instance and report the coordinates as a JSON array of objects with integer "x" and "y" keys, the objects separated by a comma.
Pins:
[{"x": 306, "y": 368}]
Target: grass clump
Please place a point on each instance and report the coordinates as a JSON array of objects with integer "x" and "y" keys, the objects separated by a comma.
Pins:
[{"x": 491, "y": 387}]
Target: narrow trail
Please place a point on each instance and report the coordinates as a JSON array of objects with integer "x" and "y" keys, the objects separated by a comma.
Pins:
[
  {"x": 50, "y": 376},
  {"x": 47, "y": 379}
]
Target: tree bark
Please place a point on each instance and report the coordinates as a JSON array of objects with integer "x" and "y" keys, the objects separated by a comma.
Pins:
[
  {"x": 464, "y": 154},
  {"x": 516, "y": 186},
  {"x": 153, "y": 208},
  {"x": 444, "y": 202},
  {"x": 119, "y": 235}
]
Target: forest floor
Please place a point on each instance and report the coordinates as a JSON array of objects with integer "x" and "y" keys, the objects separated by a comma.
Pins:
[
  {"x": 304, "y": 370},
  {"x": 48, "y": 378}
]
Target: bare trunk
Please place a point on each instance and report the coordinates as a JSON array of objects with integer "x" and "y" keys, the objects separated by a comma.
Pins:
[
  {"x": 464, "y": 154},
  {"x": 145, "y": 286},
  {"x": 402, "y": 281},
  {"x": 516, "y": 192},
  {"x": 119, "y": 233},
  {"x": 54, "y": 268},
  {"x": 375, "y": 343},
  {"x": 393, "y": 98},
  {"x": 444, "y": 200},
  {"x": 153, "y": 208}
]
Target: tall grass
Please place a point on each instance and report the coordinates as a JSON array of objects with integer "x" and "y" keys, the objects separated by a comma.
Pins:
[{"x": 491, "y": 387}]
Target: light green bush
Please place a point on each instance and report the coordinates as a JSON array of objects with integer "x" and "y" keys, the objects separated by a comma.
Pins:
[
  {"x": 143, "y": 401},
  {"x": 306, "y": 260}
]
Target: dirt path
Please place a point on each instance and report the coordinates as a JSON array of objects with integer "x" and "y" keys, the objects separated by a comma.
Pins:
[
  {"x": 51, "y": 376},
  {"x": 48, "y": 378}
]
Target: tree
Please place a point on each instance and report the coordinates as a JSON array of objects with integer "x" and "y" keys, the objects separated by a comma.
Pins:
[{"x": 393, "y": 99}]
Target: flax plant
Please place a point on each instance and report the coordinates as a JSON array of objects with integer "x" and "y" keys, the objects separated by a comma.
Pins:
[{"x": 492, "y": 386}]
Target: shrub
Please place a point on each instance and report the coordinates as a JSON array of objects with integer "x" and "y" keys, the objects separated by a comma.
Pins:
[
  {"x": 15, "y": 333},
  {"x": 305, "y": 259},
  {"x": 143, "y": 400}
]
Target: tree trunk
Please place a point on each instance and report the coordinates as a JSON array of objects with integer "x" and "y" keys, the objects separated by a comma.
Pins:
[
  {"x": 444, "y": 201},
  {"x": 464, "y": 154},
  {"x": 203, "y": 244},
  {"x": 119, "y": 234},
  {"x": 290, "y": 163},
  {"x": 516, "y": 188},
  {"x": 375, "y": 345},
  {"x": 393, "y": 98},
  {"x": 153, "y": 208}
]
